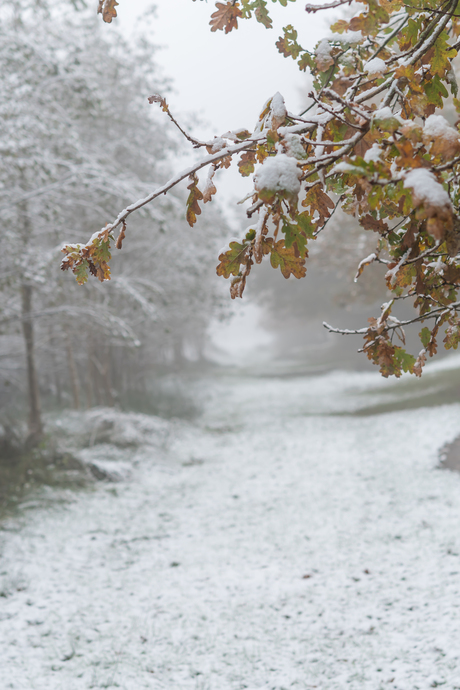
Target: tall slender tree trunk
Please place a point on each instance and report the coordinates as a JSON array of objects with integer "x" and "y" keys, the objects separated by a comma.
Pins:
[
  {"x": 35, "y": 425},
  {"x": 73, "y": 373}
]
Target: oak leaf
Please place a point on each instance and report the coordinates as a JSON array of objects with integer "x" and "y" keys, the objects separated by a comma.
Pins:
[
  {"x": 231, "y": 260},
  {"x": 319, "y": 201},
  {"x": 107, "y": 9},
  {"x": 370, "y": 223},
  {"x": 246, "y": 163},
  {"x": 225, "y": 17},
  {"x": 285, "y": 258},
  {"x": 193, "y": 207}
]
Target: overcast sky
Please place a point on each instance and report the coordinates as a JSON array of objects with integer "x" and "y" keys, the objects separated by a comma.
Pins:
[
  {"x": 226, "y": 78},
  {"x": 223, "y": 78}
]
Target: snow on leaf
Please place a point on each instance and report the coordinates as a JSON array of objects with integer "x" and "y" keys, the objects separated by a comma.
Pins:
[
  {"x": 419, "y": 363},
  {"x": 362, "y": 265},
  {"x": 443, "y": 138},
  {"x": 323, "y": 55},
  {"x": 279, "y": 175},
  {"x": 209, "y": 188}
]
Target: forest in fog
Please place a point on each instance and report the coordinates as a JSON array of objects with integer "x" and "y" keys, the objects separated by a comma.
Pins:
[{"x": 78, "y": 141}]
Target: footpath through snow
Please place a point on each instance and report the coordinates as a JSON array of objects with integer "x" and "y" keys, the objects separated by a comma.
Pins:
[{"x": 273, "y": 544}]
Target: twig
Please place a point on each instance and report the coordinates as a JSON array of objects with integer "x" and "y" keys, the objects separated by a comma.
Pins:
[
  {"x": 156, "y": 98},
  {"x": 455, "y": 306},
  {"x": 326, "y": 6}
]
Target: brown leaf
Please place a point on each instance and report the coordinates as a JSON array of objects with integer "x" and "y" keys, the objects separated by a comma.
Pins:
[
  {"x": 369, "y": 223},
  {"x": 107, "y": 9},
  {"x": 193, "y": 207},
  {"x": 289, "y": 262},
  {"x": 319, "y": 201},
  {"x": 121, "y": 236},
  {"x": 225, "y": 17},
  {"x": 246, "y": 163},
  {"x": 420, "y": 363},
  {"x": 210, "y": 187}
]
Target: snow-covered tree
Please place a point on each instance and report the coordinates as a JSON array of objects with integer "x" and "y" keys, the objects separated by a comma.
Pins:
[
  {"x": 79, "y": 139},
  {"x": 371, "y": 140}
]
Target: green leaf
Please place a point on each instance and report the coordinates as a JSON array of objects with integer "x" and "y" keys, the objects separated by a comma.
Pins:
[
  {"x": 443, "y": 54},
  {"x": 404, "y": 360},
  {"x": 425, "y": 336},
  {"x": 435, "y": 91},
  {"x": 452, "y": 336},
  {"x": 81, "y": 272},
  {"x": 231, "y": 260},
  {"x": 297, "y": 234}
]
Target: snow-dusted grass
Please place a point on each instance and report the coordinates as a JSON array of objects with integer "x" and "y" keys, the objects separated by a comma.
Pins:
[{"x": 273, "y": 544}]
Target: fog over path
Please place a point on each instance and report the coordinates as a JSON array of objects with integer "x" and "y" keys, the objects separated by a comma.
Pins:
[{"x": 280, "y": 541}]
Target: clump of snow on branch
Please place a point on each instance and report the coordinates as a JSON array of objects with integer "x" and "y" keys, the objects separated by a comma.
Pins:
[
  {"x": 375, "y": 66},
  {"x": 373, "y": 154},
  {"x": 437, "y": 127},
  {"x": 278, "y": 111},
  {"x": 426, "y": 188},
  {"x": 292, "y": 144},
  {"x": 323, "y": 54},
  {"x": 279, "y": 174}
]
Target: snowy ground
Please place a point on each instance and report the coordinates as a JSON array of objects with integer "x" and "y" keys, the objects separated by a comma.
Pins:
[{"x": 279, "y": 542}]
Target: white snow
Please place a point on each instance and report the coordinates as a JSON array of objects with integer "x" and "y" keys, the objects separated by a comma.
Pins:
[
  {"x": 278, "y": 110},
  {"x": 323, "y": 53},
  {"x": 437, "y": 126},
  {"x": 346, "y": 37},
  {"x": 373, "y": 154},
  {"x": 279, "y": 173},
  {"x": 293, "y": 145},
  {"x": 375, "y": 66},
  {"x": 217, "y": 144},
  {"x": 386, "y": 113},
  {"x": 426, "y": 188},
  {"x": 272, "y": 544}
]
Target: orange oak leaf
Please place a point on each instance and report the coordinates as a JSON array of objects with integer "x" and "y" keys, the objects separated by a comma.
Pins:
[
  {"x": 107, "y": 9},
  {"x": 319, "y": 201},
  {"x": 193, "y": 207},
  {"x": 225, "y": 17}
]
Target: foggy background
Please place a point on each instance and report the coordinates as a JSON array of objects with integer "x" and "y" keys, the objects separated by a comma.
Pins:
[{"x": 199, "y": 493}]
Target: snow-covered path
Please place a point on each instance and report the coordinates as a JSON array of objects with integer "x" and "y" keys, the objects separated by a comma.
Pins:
[{"x": 273, "y": 545}]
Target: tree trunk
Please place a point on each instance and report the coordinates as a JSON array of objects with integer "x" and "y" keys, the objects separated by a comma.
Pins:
[
  {"x": 73, "y": 373},
  {"x": 35, "y": 426}
]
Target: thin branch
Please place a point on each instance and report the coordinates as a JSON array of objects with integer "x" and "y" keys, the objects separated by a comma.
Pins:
[
  {"x": 455, "y": 306},
  {"x": 228, "y": 151},
  {"x": 326, "y": 6},
  {"x": 156, "y": 98}
]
